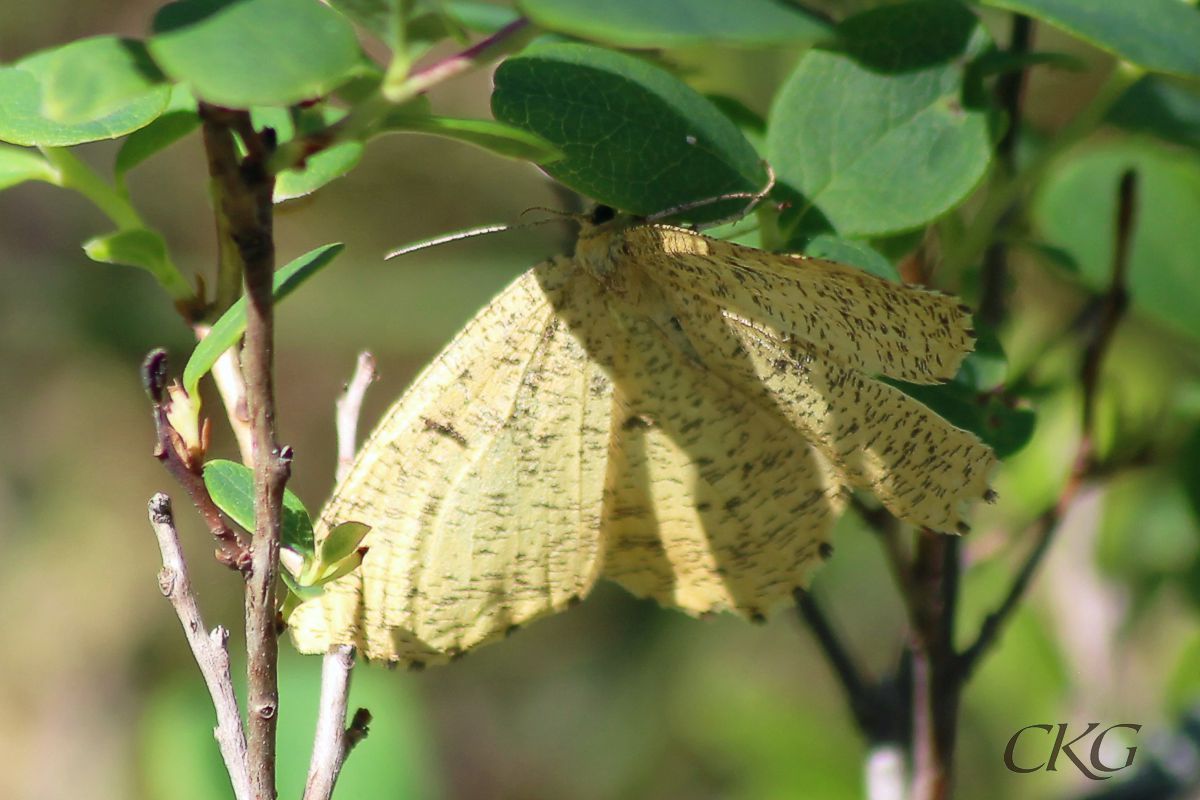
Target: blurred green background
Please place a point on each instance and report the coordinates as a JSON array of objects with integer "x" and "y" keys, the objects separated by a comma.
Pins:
[{"x": 99, "y": 697}]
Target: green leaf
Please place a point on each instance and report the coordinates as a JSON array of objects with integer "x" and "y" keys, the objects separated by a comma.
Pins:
[
  {"x": 92, "y": 89},
  {"x": 231, "y": 486},
  {"x": 1160, "y": 35},
  {"x": 496, "y": 137},
  {"x": 481, "y": 17},
  {"x": 319, "y": 168},
  {"x": 226, "y": 332},
  {"x": 177, "y": 121},
  {"x": 1076, "y": 208},
  {"x": 971, "y": 402},
  {"x": 381, "y": 17},
  {"x": 637, "y": 23},
  {"x": 1160, "y": 107},
  {"x": 877, "y": 134},
  {"x": 632, "y": 135},
  {"x": 998, "y": 62},
  {"x": 342, "y": 541},
  {"x": 18, "y": 165},
  {"x": 138, "y": 247},
  {"x": 855, "y": 253},
  {"x": 243, "y": 53}
]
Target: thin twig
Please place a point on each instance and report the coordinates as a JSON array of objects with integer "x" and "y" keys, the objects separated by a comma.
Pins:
[
  {"x": 170, "y": 449},
  {"x": 503, "y": 40},
  {"x": 1084, "y": 467},
  {"x": 333, "y": 741},
  {"x": 348, "y": 407},
  {"x": 210, "y": 648},
  {"x": 244, "y": 190},
  {"x": 227, "y": 375}
]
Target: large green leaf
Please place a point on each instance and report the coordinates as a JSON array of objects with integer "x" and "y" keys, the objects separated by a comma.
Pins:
[
  {"x": 632, "y": 135},
  {"x": 1076, "y": 207},
  {"x": 18, "y": 165},
  {"x": 676, "y": 23},
  {"x": 1160, "y": 35},
  {"x": 876, "y": 133},
  {"x": 229, "y": 328},
  {"x": 91, "y": 89},
  {"x": 243, "y": 53}
]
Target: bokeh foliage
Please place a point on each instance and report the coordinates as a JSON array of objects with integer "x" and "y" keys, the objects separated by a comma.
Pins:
[{"x": 880, "y": 124}]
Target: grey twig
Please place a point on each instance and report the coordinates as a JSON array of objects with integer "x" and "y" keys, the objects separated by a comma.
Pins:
[
  {"x": 349, "y": 404},
  {"x": 334, "y": 741},
  {"x": 208, "y": 647}
]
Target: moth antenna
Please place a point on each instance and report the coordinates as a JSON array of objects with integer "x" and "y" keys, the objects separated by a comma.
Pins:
[
  {"x": 470, "y": 233},
  {"x": 754, "y": 197},
  {"x": 554, "y": 211}
]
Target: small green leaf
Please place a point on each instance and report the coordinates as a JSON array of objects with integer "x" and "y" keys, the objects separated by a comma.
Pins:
[
  {"x": 1161, "y": 107},
  {"x": 342, "y": 541},
  {"x": 91, "y": 89},
  {"x": 632, "y": 135},
  {"x": 226, "y": 332},
  {"x": 1075, "y": 209},
  {"x": 319, "y": 168},
  {"x": 1160, "y": 35},
  {"x": 855, "y": 253},
  {"x": 138, "y": 247},
  {"x": 231, "y": 486},
  {"x": 243, "y": 53},
  {"x": 343, "y": 567},
  {"x": 496, "y": 137},
  {"x": 998, "y": 62},
  {"x": 878, "y": 133},
  {"x": 480, "y": 17},
  {"x": 637, "y": 23},
  {"x": 18, "y": 165}
]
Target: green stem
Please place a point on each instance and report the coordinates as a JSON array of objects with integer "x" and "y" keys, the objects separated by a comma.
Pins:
[
  {"x": 74, "y": 174},
  {"x": 983, "y": 228}
]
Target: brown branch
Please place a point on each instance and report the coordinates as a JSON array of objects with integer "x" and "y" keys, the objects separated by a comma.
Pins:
[
  {"x": 173, "y": 452},
  {"x": 333, "y": 741},
  {"x": 348, "y": 407},
  {"x": 210, "y": 648},
  {"x": 1010, "y": 90},
  {"x": 243, "y": 199},
  {"x": 1084, "y": 467}
]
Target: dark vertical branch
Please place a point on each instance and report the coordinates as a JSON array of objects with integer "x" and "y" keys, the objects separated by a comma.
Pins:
[
  {"x": 243, "y": 198},
  {"x": 1010, "y": 88}
]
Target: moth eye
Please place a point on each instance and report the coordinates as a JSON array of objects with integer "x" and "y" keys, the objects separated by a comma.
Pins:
[{"x": 603, "y": 214}]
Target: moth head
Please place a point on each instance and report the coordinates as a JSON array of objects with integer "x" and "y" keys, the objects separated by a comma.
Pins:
[{"x": 600, "y": 248}]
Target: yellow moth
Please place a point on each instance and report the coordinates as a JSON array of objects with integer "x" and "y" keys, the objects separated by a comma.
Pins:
[{"x": 678, "y": 414}]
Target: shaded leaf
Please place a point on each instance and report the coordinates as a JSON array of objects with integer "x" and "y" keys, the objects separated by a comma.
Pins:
[
  {"x": 155, "y": 137},
  {"x": 1160, "y": 35},
  {"x": 855, "y": 253},
  {"x": 632, "y": 135},
  {"x": 1160, "y": 107},
  {"x": 651, "y": 23},
  {"x": 226, "y": 332},
  {"x": 243, "y": 53},
  {"x": 877, "y": 132}
]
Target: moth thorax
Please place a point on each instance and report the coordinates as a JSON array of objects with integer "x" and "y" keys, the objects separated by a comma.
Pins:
[{"x": 604, "y": 256}]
